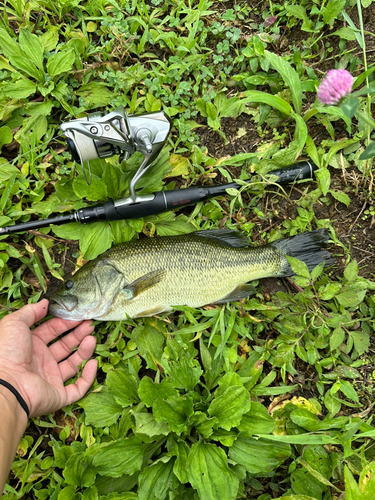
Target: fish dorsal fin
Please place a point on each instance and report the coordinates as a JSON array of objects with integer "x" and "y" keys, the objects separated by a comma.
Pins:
[
  {"x": 227, "y": 237},
  {"x": 143, "y": 283},
  {"x": 240, "y": 292}
]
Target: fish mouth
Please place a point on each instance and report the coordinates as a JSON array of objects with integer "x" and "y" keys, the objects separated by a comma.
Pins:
[{"x": 68, "y": 305}]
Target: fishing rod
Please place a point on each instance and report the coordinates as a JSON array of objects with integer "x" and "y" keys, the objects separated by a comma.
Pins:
[{"x": 102, "y": 136}]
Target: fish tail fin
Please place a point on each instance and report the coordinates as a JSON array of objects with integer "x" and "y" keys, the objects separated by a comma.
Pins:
[{"x": 307, "y": 247}]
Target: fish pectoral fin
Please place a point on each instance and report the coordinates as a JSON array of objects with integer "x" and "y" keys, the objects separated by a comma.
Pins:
[
  {"x": 227, "y": 237},
  {"x": 240, "y": 292},
  {"x": 143, "y": 283}
]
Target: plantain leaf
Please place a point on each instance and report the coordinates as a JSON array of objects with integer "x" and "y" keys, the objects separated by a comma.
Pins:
[
  {"x": 19, "y": 90},
  {"x": 175, "y": 411},
  {"x": 208, "y": 472},
  {"x": 230, "y": 406},
  {"x": 101, "y": 408},
  {"x": 259, "y": 455},
  {"x": 60, "y": 62},
  {"x": 157, "y": 479},
  {"x": 124, "y": 456},
  {"x": 32, "y": 46},
  {"x": 290, "y": 77},
  {"x": 78, "y": 470},
  {"x": 123, "y": 386},
  {"x": 95, "y": 239},
  {"x": 273, "y": 100}
]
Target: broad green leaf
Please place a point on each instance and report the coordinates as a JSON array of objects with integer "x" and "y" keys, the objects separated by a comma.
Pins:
[
  {"x": 352, "y": 491},
  {"x": 290, "y": 77},
  {"x": 50, "y": 38},
  {"x": 19, "y": 90},
  {"x": 149, "y": 391},
  {"x": 345, "y": 33},
  {"x": 157, "y": 479},
  {"x": 369, "y": 152},
  {"x": 272, "y": 100},
  {"x": 351, "y": 271},
  {"x": 8, "y": 45},
  {"x": 96, "y": 191},
  {"x": 168, "y": 224},
  {"x": 367, "y": 482},
  {"x": 183, "y": 375},
  {"x": 303, "y": 482},
  {"x": 179, "y": 448},
  {"x": 251, "y": 370},
  {"x": 150, "y": 343},
  {"x": 78, "y": 470},
  {"x": 259, "y": 456},
  {"x": 312, "y": 151},
  {"x": 123, "y": 387},
  {"x": 62, "y": 455},
  {"x": 228, "y": 380},
  {"x": 203, "y": 424},
  {"x": 349, "y": 391},
  {"x": 175, "y": 411},
  {"x": 340, "y": 196},
  {"x": 352, "y": 294},
  {"x": 324, "y": 179},
  {"x": 318, "y": 476},
  {"x": 6, "y": 136},
  {"x": 60, "y": 62},
  {"x": 256, "y": 421},
  {"x": 303, "y": 418},
  {"x": 230, "y": 406},
  {"x": 328, "y": 291},
  {"x": 298, "y": 267},
  {"x": 70, "y": 231},
  {"x": 26, "y": 66},
  {"x": 101, "y": 408},
  {"x": 332, "y": 10},
  {"x": 117, "y": 486},
  {"x": 361, "y": 341},
  {"x": 179, "y": 165},
  {"x": 350, "y": 106},
  {"x": 337, "y": 338},
  {"x": 95, "y": 239},
  {"x": 69, "y": 493},
  {"x": 211, "y": 111},
  {"x": 96, "y": 93},
  {"x": 32, "y": 46},
  {"x": 146, "y": 424},
  {"x": 287, "y": 156},
  {"x": 124, "y": 456},
  {"x": 208, "y": 472}
]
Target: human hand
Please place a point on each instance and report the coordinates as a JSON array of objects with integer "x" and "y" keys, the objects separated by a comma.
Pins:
[{"x": 37, "y": 371}]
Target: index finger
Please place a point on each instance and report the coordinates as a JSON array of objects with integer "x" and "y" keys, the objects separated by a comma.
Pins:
[
  {"x": 53, "y": 328},
  {"x": 29, "y": 314}
]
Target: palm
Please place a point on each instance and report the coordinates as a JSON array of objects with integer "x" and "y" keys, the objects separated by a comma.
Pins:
[{"x": 39, "y": 371}]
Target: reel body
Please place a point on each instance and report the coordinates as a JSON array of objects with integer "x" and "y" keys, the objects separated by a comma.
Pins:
[{"x": 102, "y": 136}]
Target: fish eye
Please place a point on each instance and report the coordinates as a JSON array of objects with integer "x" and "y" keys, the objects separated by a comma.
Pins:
[{"x": 69, "y": 284}]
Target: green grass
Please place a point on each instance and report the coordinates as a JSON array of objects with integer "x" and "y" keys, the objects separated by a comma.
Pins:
[{"x": 265, "y": 399}]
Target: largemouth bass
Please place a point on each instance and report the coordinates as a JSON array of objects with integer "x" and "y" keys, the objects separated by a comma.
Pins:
[{"x": 151, "y": 275}]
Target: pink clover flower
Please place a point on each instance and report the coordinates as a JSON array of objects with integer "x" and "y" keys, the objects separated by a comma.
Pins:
[{"x": 337, "y": 84}]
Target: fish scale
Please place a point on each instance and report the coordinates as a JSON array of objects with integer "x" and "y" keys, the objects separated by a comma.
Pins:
[{"x": 151, "y": 275}]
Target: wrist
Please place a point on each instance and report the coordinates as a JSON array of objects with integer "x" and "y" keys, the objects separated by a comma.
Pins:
[{"x": 11, "y": 410}]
